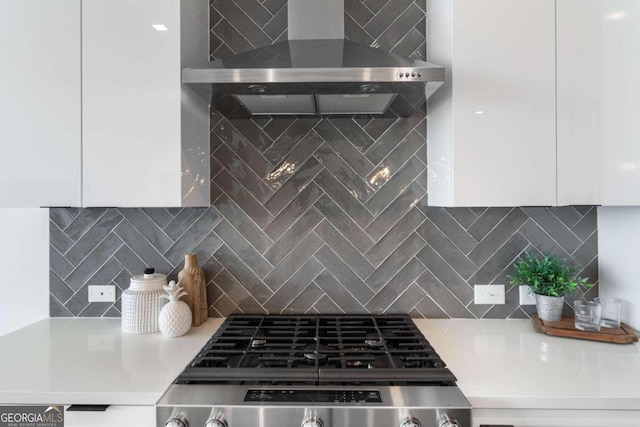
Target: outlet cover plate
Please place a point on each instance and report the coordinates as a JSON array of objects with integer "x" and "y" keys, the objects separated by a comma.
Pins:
[
  {"x": 526, "y": 296},
  {"x": 488, "y": 294},
  {"x": 102, "y": 293}
]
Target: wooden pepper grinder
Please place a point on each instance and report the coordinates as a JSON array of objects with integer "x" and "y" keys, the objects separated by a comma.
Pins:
[{"x": 192, "y": 280}]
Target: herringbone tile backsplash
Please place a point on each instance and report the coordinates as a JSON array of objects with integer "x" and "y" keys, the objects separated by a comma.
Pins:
[{"x": 317, "y": 214}]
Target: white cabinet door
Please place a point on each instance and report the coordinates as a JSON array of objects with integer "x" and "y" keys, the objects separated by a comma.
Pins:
[
  {"x": 40, "y": 115},
  {"x": 555, "y": 418},
  {"x": 598, "y": 102},
  {"x": 492, "y": 128},
  {"x": 131, "y": 103},
  {"x": 113, "y": 416}
]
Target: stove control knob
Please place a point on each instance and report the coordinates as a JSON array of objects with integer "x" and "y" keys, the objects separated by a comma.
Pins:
[
  {"x": 312, "y": 421},
  {"x": 178, "y": 421},
  {"x": 215, "y": 422},
  {"x": 410, "y": 422},
  {"x": 447, "y": 421}
]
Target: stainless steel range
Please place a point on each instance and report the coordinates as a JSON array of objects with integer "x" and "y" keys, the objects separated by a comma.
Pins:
[{"x": 315, "y": 371}]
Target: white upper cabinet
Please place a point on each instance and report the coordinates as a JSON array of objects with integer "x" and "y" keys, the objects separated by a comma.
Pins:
[
  {"x": 132, "y": 95},
  {"x": 598, "y": 102},
  {"x": 492, "y": 126},
  {"x": 40, "y": 127}
]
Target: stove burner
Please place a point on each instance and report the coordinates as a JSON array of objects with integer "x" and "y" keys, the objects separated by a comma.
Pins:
[
  {"x": 374, "y": 341},
  {"x": 258, "y": 343},
  {"x": 311, "y": 355}
]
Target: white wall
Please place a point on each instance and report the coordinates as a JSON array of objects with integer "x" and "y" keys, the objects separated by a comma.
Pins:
[
  {"x": 619, "y": 257},
  {"x": 24, "y": 263}
]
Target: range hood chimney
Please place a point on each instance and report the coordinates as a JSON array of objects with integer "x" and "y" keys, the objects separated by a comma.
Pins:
[{"x": 316, "y": 72}]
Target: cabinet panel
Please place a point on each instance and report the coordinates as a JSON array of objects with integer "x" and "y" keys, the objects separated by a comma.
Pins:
[
  {"x": 555, "y": 418},
  {"x": 499, "y": 103},
  {"x": 113, "y": 416},
  {"x": 40, "y": 115},
  {"x": 598, "y": 102},
  {"x": 131, "y": 102}
]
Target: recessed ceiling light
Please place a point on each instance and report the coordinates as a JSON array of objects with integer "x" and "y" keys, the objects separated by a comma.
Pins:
[
  {"x": 480, "y": 112},
  {"x": 159, "y": 27}
]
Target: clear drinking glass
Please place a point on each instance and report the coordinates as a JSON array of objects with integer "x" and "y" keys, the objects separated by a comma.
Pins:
[
  {"x": 610, "y": 312},
  {"x": 587, "y": 315}
]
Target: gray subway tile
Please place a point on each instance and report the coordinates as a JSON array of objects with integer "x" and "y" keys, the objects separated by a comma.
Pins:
[
  {"x": 338, "y": 293},
  {"x": 345, "y": 250},
  {"x": 293, "y": 186},
  {"x": 408, "y": 299},
  {"x": 450, "y": 227},
  {"x": 292, "y": 262},
  {"x": 395, "y": 210},
  {"x": 447, "y": 250},
  {"x": 242, "y": 222},
  {"x": 343, "y": 274},
  {"x": 304, "y": 300},
  {"x": 293, "y": 161},
  {"x": 81, "y": 223},
  {"x": 289, "y": 139},
  {"x": 243, "y": 273},
  {"x": 445, "y": 299},
  {"x": 354, "y": 183},
  {"x": 352, "y": 132},
  {"x": 398, "y": 258},
  {"x": 58, "y": 288},
  {"x": 393, "y": 187},
  {"x": 237, "y": 293},
  {"x": 93, "y": 235},
  {"x": 243, "y": 198},
  {"x": 303, "y": 201},
  {"x": 487, "y": 221},
  {"x": 141, "y": 247},
  {"x": 441, "y": 270},
  {"x": 396, "y": 235},
  {"x": 57, "y": 238},
  {"x": 238, "y": 244},
  {"x": 550, "y": 223},
  {"x": 396, "y": 159},
  {"x": 587, "y": 251},
  {"x": 182, "y": 221},
  {"x": 504, "y": 256},
  {"x": 93, "y": 261},
  {"x": 344, "y": 147},
  {"x": 290, "y": 239},
  {"x": 341, "y": 196},
  {"x": 541, "y": 240},
  {"x": 57, "y": 309},
  {"x": 587, "y": 225},
  {"x": 285, "y": 295},
  {"x": 193, "y": 236},
  {"x": 496, "y": 238},
  {"x": 148, "y": 228},
  {"x": 60, "y": 216},
  {"x": 241, "y": 22},
  {"x": 243, "y": 173},
  {"x": 344, "y": 223},
  {"x": 160, "y": 216},
  {"x": 430, "y": 310},
  {"x": 404, "y": 277}
]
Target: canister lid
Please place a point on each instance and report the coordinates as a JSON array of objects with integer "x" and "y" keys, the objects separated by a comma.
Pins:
[{"x": 149, "y": 281}]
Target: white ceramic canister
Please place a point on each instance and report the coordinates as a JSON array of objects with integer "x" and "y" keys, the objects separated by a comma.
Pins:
[{"x": 141, "y": 303}]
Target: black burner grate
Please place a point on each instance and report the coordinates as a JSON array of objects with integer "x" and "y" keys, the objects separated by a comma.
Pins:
[{"x": 322, "y": 349}]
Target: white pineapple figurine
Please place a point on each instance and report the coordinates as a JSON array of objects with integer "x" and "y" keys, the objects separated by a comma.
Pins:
[{"x": 175, "y": 316}]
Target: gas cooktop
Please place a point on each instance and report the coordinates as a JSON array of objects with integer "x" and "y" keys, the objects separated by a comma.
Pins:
[{"x": 322, "y": 349}]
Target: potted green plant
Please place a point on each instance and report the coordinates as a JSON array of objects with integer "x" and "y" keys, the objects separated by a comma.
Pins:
[{"x": 550, "y": 278}]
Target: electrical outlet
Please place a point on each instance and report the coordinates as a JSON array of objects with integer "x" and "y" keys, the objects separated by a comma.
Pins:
[
  {"x": 106, "y": 293},
  {"x": 526, "y": 296},
  {"x": 488, "y": 294}
]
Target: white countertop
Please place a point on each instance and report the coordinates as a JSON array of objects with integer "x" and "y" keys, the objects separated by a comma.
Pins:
[
  {"x": 506, "y": 364},
  {"x": 498, "y": 363},
  {"x": 90, "y": 361}
]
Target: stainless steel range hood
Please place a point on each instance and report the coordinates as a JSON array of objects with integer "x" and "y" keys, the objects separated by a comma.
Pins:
[{"x": 328, "y": 76}]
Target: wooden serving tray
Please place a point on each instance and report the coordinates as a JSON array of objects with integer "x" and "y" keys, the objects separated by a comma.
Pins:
[{"x": 565, "y": 328}]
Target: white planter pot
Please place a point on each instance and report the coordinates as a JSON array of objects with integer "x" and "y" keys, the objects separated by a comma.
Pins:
[{"x": 549, "y": 308}]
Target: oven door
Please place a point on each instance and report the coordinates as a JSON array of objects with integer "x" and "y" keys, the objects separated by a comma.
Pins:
[{"x": 554, "y": 418}]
